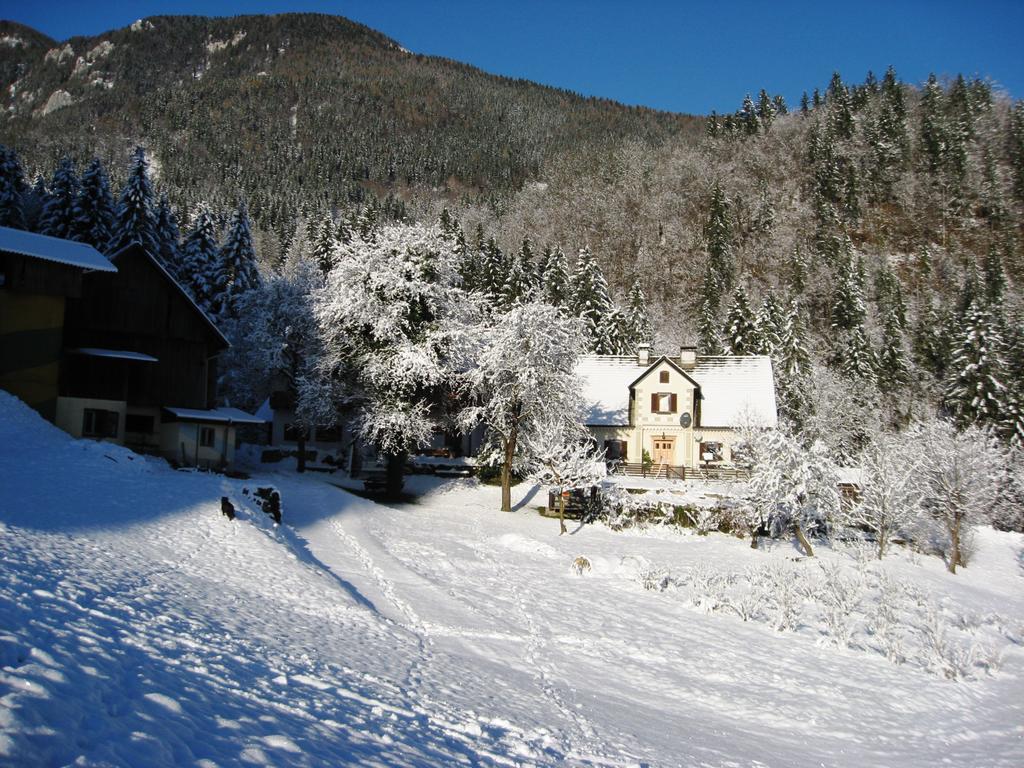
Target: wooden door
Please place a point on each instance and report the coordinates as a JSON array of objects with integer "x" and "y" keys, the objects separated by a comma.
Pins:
[{"x": 664, "y": 452}]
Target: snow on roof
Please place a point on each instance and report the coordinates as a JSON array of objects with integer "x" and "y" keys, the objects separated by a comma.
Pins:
[
  {"x": 733, "y": 389},
  {"x": 606, "y": 380},
  {"x": 54, "y": 249},
  {"x": 121, "y": 354},
  {"x": 265, "y": 412},
  {"x": 220, "y": 415}
]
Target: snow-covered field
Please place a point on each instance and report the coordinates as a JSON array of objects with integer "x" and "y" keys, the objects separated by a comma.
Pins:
[{"x": 138, "y": 626}]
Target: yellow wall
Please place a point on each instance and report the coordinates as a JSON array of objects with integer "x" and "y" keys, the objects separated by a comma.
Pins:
[{"x": 31, "y": 331}]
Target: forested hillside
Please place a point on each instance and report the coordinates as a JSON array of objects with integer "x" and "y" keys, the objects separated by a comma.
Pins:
[{"x": 869, "y": 238}]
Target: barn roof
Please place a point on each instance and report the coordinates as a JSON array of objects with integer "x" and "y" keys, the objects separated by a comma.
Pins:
[
  {"x": 54, "y": 249},
  {"x": 733, "y": 389}
]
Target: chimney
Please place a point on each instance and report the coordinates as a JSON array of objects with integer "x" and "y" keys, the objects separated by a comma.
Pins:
[
  {"x": 643, "y": 354},
  {"x": 687, "y": 357}
]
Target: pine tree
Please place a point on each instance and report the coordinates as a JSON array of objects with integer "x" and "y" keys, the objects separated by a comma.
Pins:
[
  {"x": 1015, "y": 148},
  {"x": 134, "y": 220},
  {"x": 975, "y": 394},
  {"x": 12, "y": 190},
  {"x": 637, "y": 321},
  {"x": 741, "y": 333},
  {"x": 933, "y": 139},
  {"x": 612, "y": 335},
  {"x": 94, "y": 207},
  {"x": 199, "y": 254},
  {"x": 235, "y": 273},
  {"x": 931, "y": 347},
  {"x": 770, "y": 322},
  {"x": 747, "y": 117},
  {"x": 848, "y": 309},
  {"x": 554, "y": 278},
  {"x": 765, "y": 110},
  {"x": 792, "y": 366},
  {"x": 58, "y": 218},
  {"x": 168, "y": 237},
  {"x": 855, "y": 358},
  {"x": 588, "y": 292},
  {"x": 324, "y": 242},
  {"x": 708, "y": 340},
  {"x": 718, "y": 234},
  {"x": 994, "y": 277},
  {"x": 893, "y": 368}
]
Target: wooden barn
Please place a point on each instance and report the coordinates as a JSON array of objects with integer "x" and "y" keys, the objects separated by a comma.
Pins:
[{"x": 38, "y": 274}]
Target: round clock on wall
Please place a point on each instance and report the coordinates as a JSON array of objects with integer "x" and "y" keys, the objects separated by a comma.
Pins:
[{"x": 685, "y": 420}]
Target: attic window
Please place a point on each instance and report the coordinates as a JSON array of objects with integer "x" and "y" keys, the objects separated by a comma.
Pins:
[
  {"x": 663, "y": 377},
  {"x": 663, "y": 402}
]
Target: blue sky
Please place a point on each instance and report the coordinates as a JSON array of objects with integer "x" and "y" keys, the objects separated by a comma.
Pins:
[{"x": 688, "y": 56}]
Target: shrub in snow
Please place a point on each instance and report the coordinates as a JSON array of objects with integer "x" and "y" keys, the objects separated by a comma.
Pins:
[{"x": 580, "y": 566}]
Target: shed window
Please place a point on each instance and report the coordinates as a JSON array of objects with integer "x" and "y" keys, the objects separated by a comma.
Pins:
[
  {"x": 207, "y": 436},
  {"x": 615, "y": 450},
  {"x": 663, "y": 377},
  {"x": 99, "y": 423}
]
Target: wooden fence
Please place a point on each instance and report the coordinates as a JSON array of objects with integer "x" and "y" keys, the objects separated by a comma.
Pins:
[{"x": 669, "y": 472}]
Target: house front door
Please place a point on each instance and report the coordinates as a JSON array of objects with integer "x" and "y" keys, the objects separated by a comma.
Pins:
[{"x": 664, "y": 451}]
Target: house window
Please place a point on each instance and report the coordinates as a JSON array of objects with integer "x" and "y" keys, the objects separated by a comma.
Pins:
[
  {"x": 207, "y": 436},
  {"x": 99, "y": 423},
  {"x": 711, "y": 452},
  {"x": 138, "y": 423},
  {"x": 663, "y": 402},
  {"x": 663, "y": 377},
  {"x": 615, "y": 450}
]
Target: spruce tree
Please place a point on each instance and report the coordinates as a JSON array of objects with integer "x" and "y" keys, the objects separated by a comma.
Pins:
[
  {"x": 588, "y": 292},
  {"x": 135, "y": 221},
  {"x": 554, "y": 278},
  {"x": 933, "y": 138},
  {"x": 855, "y": 358},
  {"x": 975, "y": 394},
  {"x": 235, "y": 273},
  {"x": 719, "y": 237},
  {"x": 637, "y": 321},
  {"x": 770, "y": 322},
  {"x": 12, "y": 190},
  {"x": 994, "y": 277},
  {"x": 58, "y": 217},
  {"x": 94, "y": 207},
  {"x": 708, "y": 340},
  {"x": 741, "y": 333},
  {"x": 848, "y": 309},
  {"x": 931, "y": 347},
  {"x": 792, "y": 366},
  {"x": 324, "y": 242},
  {"x": 168, "y": 237},
  {"x": 1015, "y": 148},
  {"x": 893, "y": 368},
  {"x": 199, "y": 256},
  {"x": 765, "y": 110}
]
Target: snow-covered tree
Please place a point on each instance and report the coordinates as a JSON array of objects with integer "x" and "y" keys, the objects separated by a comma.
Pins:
[
  {"x": 975, "y": 393},
  {"x": 855, "y": 358},
  {"x": 94, "y": 207},
  {"x": 58, "y": 217},
  {"x": 521, "y": 383},
  {"x": 168, "y": 236},
  {"x": 770, "y": 321},
  {"x": 719, "y": 237},
  {"x": 554, "y": 278},
  {"x": 199, "y": 258},
  {"x": 589, "y": 299},
  {"x": 235, "y": 270},
  {"x": 741, "y": 333},
  {"x": 848, "y": 309},
  {"x": 961, "y": 475},
  {"x": 12, "y": 190},
  {"x": 565, "y": 460},
  {"x": 323, "y": 241},
  {"x": 134, "y": 219},
  {"x": 708, "y": 340},
  {"x": 893, "y": 367},
  {"x": 638, "y": 320},
  {"x": 791, "y": 363},
  {"x": 891, "y": 493},
  {"x": 393, "y": 318},
  {"x": 792, "y": 487}
]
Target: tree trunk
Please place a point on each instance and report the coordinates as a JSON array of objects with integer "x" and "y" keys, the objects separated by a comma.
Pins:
[
  {"x": 881, "y": 543},
  {"x": 506, "y": 474},
  {"x": 803, "y": 540},
  {"x": 753, "y": 538},
  {"x": 395, "y": 476},
  {"x": 561, "y": 513},
  {"x": 954, "y": 547},
  {"x": 301, "y": 442}
]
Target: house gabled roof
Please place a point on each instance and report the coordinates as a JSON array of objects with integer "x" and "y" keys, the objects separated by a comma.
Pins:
[
  {"x": 733, "y": 390},
  {"x": 673, "y": 364},
  {"x": 55, "y": 249},
  {"x": 178, "y": 286}
]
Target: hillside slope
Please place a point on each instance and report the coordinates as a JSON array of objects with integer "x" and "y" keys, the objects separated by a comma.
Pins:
[
  {"x": 139, "y": 626},
  {"x": 296, "y": 107}
]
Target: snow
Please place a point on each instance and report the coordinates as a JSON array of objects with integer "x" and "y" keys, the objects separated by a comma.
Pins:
[
  {"x": 115, "y": 353},
  {"x": 138, "y": 626},
  {"x": 606, "y": 380},
  {"x": 54, "y": 249}
]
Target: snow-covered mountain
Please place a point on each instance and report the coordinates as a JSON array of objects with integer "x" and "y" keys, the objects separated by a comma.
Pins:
[{"x": 139, "y": 626}]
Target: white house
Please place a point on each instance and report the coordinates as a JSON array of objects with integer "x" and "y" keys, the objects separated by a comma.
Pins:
[{"x": 684, "y": 411}]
